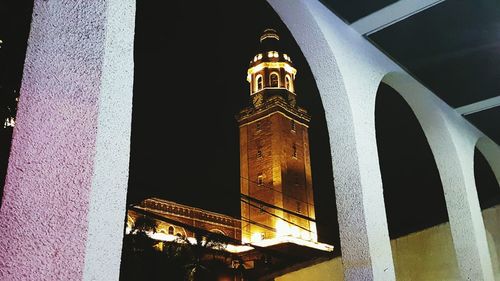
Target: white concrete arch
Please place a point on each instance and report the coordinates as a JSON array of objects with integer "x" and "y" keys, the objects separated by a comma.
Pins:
[
  {"x": 491, "y": 216},
  {"x": 366, "y": 251},
  {"x": 454, "y": 160},
  {"x": 348, "y": 71},
  {"x": 490, "y": 151}
]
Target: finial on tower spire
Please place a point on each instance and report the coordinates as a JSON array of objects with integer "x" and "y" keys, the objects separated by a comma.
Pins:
[{"x": 269, "y": 33}]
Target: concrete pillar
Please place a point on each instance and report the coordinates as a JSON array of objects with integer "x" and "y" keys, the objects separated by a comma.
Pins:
[
  {"x": 366, "y": 250},
  {"x": 63, "y": 209}
]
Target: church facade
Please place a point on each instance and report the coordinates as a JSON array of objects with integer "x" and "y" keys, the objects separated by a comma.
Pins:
[{"x": 181, "y": 220}]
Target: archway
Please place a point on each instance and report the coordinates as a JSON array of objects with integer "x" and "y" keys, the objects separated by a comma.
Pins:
[
  {"x": 196, "y": 108},
  {"x": 488, "y": 191},
  {"x": 414, "y": 199},
  {"x": 195, "y": 119}
]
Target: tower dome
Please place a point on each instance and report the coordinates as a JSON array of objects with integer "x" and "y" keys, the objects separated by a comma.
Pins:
[{"x": 271, "y": 70}]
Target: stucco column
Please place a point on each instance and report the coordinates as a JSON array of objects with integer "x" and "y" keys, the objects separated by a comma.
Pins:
[
  {"x": 366, "y": 249},
  {"x": 64, "y": 200}
]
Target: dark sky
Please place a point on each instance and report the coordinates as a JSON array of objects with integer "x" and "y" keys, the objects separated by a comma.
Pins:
[{"x": 413, "y": 193}]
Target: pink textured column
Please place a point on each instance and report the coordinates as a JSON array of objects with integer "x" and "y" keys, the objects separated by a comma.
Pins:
[{"x": 73, "y": 124}]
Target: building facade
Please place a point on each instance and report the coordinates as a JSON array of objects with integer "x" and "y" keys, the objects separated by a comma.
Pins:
[{"x": 175, "y": 218}]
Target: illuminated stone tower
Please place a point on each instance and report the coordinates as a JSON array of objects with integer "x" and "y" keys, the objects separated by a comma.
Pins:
[{"x": 276, "y": 181}]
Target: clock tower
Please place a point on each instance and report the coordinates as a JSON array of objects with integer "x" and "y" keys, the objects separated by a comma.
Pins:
[{"x": 275, "y": 167}]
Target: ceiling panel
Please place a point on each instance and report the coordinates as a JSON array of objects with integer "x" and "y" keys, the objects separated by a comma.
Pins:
[
  {"x": 488, "y": 122},
  {"x": 353, "y": 10},
  {"x": 453, "y": 48}
]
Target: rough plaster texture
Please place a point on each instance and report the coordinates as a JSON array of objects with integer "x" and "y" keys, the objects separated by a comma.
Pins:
[
  {"x": 68, "y": 166},
  {"x": 491, "y": 152},
  {"x": 348, "y": 71},
  {"x": 363, "y": 234},
  {"x": 109, "y": 188}
]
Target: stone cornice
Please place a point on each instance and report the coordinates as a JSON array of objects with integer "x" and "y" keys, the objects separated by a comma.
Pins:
[{"x": 273, "y": 105}]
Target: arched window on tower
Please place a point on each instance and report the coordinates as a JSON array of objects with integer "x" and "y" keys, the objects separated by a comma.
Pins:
[
  {"x": 288, "y": 84},
  {"x": 260, "y": 180},
  {"x": 258, "y": 83},
  {"x": 274, "y": 78},
  {"x": 171, "y": 230}
]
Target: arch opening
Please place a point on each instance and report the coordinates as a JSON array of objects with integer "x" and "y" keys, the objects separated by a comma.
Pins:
[
  {"x": 274, "y": 80},
  {"x": 488, "y": 191},
  {"x": 288, "y": 83},
  {"x": 416, "y": 210},
  {"x": 259, "y": 83},
  {"x": 206, "y": 173}
]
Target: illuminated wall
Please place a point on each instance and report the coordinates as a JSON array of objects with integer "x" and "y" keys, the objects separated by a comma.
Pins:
[
  {"x": 421, "y": 256},
  {"x": 179, "y": 215}
]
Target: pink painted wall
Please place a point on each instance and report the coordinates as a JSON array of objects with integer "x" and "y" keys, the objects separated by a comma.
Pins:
[{"x": 51, "y": 176}]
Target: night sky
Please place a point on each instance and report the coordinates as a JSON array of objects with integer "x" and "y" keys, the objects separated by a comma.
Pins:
[{"x": 190, "y": 82}]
